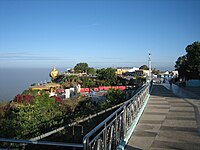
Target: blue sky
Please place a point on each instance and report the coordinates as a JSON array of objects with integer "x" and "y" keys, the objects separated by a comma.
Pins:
[{"x": 103, "y": 33}]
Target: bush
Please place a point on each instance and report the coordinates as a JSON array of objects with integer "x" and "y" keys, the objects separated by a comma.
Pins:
[
  {"x": 27, "y": 120},
  {"x": 23, "y": 98},
  {"x": 84, "y": 108},
  {"x": 57, "y": 99},
  {"x": 113, "y": 97}
]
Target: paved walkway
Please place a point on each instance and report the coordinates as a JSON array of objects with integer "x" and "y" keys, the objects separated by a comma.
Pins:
[{"x": 168, "y": 122}]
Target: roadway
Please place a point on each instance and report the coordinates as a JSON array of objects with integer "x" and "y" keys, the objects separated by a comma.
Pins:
[{"x": 171, "y": 120}]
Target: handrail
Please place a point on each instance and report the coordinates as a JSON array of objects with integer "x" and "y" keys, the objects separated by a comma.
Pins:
[
  {"x": 118, "y": 121},
  {"x": 41, "y": 142},
  {"x": 108, "y": 118}
]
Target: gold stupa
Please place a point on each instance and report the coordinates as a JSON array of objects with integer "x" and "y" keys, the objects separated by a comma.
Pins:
[{"x": 54, "y": 73}]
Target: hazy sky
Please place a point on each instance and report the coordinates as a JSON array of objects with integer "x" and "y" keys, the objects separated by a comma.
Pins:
[{"x": 103, "y": 33}]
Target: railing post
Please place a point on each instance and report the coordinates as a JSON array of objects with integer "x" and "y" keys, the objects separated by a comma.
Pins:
[
  {"x": 111, "y": 137},
  {"x": 85, "y": 144},
  {"x": 116, "y": 131},
  {"x": 105, "y": 137},
  {"x": 124, "y": 122}
]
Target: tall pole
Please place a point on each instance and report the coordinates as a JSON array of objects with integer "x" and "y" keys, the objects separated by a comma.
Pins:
[{"x": 149, "y": 60}]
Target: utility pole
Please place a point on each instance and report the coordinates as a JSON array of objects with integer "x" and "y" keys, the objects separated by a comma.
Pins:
[{"x": 149, "y": 60}]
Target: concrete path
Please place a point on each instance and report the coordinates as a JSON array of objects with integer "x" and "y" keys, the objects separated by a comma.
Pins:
[{"x": 168, "y": 122}]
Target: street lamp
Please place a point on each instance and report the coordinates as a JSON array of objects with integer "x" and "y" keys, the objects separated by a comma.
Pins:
[{"x": 149, "y": 60}]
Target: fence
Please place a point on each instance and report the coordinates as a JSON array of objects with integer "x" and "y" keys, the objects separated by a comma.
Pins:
[{"x": 112, "y": 133}]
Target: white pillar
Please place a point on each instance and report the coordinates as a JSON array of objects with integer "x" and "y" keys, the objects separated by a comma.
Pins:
[
  {"x": 67, "y": 93},
  {"x": 149, "y": 66},
  {"x": 71, "y": 92}
]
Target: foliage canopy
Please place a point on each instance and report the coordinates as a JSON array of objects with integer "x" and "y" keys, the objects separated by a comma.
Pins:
[
  {"x": 108, "y": 75},
  {"x": 188, "y": 65},
  {"x": 81, "y": 67},
  {"x": 144, "y": 67}
]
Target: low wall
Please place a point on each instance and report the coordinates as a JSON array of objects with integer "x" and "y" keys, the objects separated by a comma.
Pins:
[
  {"x": 193, "y": 83},
  {"x": 103, "y": 88}
]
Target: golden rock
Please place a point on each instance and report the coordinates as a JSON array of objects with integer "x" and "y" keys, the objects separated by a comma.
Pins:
[{"x": 54, "y": 73}]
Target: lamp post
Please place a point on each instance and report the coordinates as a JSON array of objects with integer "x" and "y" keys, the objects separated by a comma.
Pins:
[{"x": 149, "y": 60}]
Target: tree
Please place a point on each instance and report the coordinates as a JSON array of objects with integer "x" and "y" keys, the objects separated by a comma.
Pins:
[
  {"x": 193, "y": 60},
  {"x": 87, "y": 82},
  {"x": 181, "y": 66},
  {"x": 70, "y": 81},
  {"x": 108, "y": 75},
  {"x": 91, "y": 71},
  {"x": 81, "y": 67},
  {"x": 28, "y": 116},
  {"x": 154, "y": 71},
  {"x": 113, "y": 97},
  {"x": 144, "y": 67},
  {"x": 188, "y": 65}
]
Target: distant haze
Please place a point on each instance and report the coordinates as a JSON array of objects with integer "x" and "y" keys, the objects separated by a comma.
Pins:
[{"x": 15, "y": 80}]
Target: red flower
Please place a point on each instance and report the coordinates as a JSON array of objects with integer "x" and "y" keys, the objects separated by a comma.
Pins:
[
  {"x": 23, "y": 98},
  {"x": 57, "y": 99}
]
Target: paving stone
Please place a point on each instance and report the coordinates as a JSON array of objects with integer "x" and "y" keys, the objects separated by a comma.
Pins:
[
  {"x": 155, "y": 113},
  {"x": 153, "y": 117},
  {"x": 175, "y": 145},
  {"x": 178, "y": 113},
  {"x": 178, "y": 136},
  {"x": 158, "y": 103},
  {"x": 142, "y": 143},
  {"x": 152, "y": 121},
  {"x": 182, "y": 108},
  {"x": 157, "y": 110},
  {"x": 159, "y": 148},
  {"x": 181, "y": 105},
  {"x": 185, "y": 129},
  {"x": 148, "y": 127},
  {"x": 160, "y": 107},
  {"x": 180, "y": 118},
  {"x": 180, "y": 123},
  {"x": 145, "y": 133},
  {"x": 181, "y": 111}
]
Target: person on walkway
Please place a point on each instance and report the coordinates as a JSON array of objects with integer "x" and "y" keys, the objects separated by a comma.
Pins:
[{"x": 170, "y": 82}]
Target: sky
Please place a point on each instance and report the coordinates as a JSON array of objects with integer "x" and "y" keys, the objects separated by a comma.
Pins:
[{"x": 103, "y": 33}]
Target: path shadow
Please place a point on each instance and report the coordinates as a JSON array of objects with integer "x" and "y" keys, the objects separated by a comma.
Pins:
[
  {"x": 165, "y": 90},
  {"x": 128, "y": 147},
  {"x": 160, "y": 90}
]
